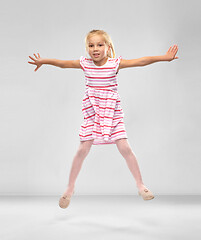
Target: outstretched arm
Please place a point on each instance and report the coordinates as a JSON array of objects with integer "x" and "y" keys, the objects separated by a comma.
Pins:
[
  {"x": 143, "y": 61},
  {"x": 38, "y": 61}
]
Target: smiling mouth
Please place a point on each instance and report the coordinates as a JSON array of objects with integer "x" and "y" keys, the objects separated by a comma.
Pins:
[{"x": 96, "y": 55}]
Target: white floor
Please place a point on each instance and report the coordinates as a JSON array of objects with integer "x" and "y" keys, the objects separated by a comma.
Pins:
[{"x": 100, "y": 217}]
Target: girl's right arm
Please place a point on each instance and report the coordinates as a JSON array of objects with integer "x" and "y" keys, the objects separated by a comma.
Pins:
[{"x": 38, "y": 61}]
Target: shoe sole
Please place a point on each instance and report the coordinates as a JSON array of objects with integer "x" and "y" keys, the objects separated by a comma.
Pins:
[
  {"x": 64, "y": 202},
  {"x": 149, "y": 198}
]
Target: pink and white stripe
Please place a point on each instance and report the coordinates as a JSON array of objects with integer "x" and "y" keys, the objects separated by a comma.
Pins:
[{"x": 101, "y": 105}]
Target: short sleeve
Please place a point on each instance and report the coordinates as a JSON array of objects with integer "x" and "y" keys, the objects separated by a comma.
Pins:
[
  {"x": 117, "y": 62},
  {"x": 82, "y": 62}
]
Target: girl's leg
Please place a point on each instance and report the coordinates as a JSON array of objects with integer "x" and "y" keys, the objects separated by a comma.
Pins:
[
  {"x": 126, "y": 151},
  {"x": 79, "y": 157}
]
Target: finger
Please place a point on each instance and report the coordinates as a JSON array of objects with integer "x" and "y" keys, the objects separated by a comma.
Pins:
[
  {"x": 35, "y": 55},
  {"x": 32, "y": 62},
  {"x": 32, "y": 58},
  {"x": 175, "y": 50},
  {"x": 175, "y": 47},
  {"x": 169, "y": 48},
  {"x": 39, "y": 55},
  {"x": 36, "y": 69}
]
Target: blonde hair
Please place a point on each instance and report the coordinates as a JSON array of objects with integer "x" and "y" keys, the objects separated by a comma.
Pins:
[{"x": 107, "y": 40}]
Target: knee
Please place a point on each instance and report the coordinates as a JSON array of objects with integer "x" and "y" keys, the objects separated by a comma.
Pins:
[{"x": 124, "y": 148}]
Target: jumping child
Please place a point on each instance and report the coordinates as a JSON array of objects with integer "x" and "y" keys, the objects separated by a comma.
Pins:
[{"x": 101, "y": 105}]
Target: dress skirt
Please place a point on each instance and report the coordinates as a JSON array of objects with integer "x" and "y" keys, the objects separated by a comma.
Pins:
[{"x": 103, "y": 116}]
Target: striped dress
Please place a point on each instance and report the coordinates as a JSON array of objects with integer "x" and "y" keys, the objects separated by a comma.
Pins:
[{"x": 101, "y": 104}]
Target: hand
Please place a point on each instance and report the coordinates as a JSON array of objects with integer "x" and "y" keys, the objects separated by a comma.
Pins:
[
  {"x": 37, "y": 61},
  {"x": 170, "y": 54}
]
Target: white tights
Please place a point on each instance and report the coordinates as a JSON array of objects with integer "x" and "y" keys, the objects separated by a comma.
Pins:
[{"x": 125, "y": 150}]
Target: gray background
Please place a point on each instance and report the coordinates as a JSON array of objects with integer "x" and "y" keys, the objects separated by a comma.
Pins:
[{"x": 41, "y": 111}]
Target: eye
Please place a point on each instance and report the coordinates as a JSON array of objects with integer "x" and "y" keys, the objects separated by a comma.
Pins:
[
  {"x": 90, "y": 45},
  {"x": 100, "y": 45}
]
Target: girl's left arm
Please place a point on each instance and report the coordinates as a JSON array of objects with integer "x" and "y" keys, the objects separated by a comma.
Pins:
[{"x": 143, "y": 61}]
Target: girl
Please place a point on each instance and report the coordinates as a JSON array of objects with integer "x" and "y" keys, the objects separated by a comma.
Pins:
[{"x": 101, "y": 105}]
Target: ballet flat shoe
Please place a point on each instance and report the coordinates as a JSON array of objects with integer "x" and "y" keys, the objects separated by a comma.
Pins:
[
  {"x": 146, "y": 194},
  {"x": 64, "y": 201}
]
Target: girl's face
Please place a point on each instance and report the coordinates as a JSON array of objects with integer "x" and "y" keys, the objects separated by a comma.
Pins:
[{"x": 97, "y": 48}]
